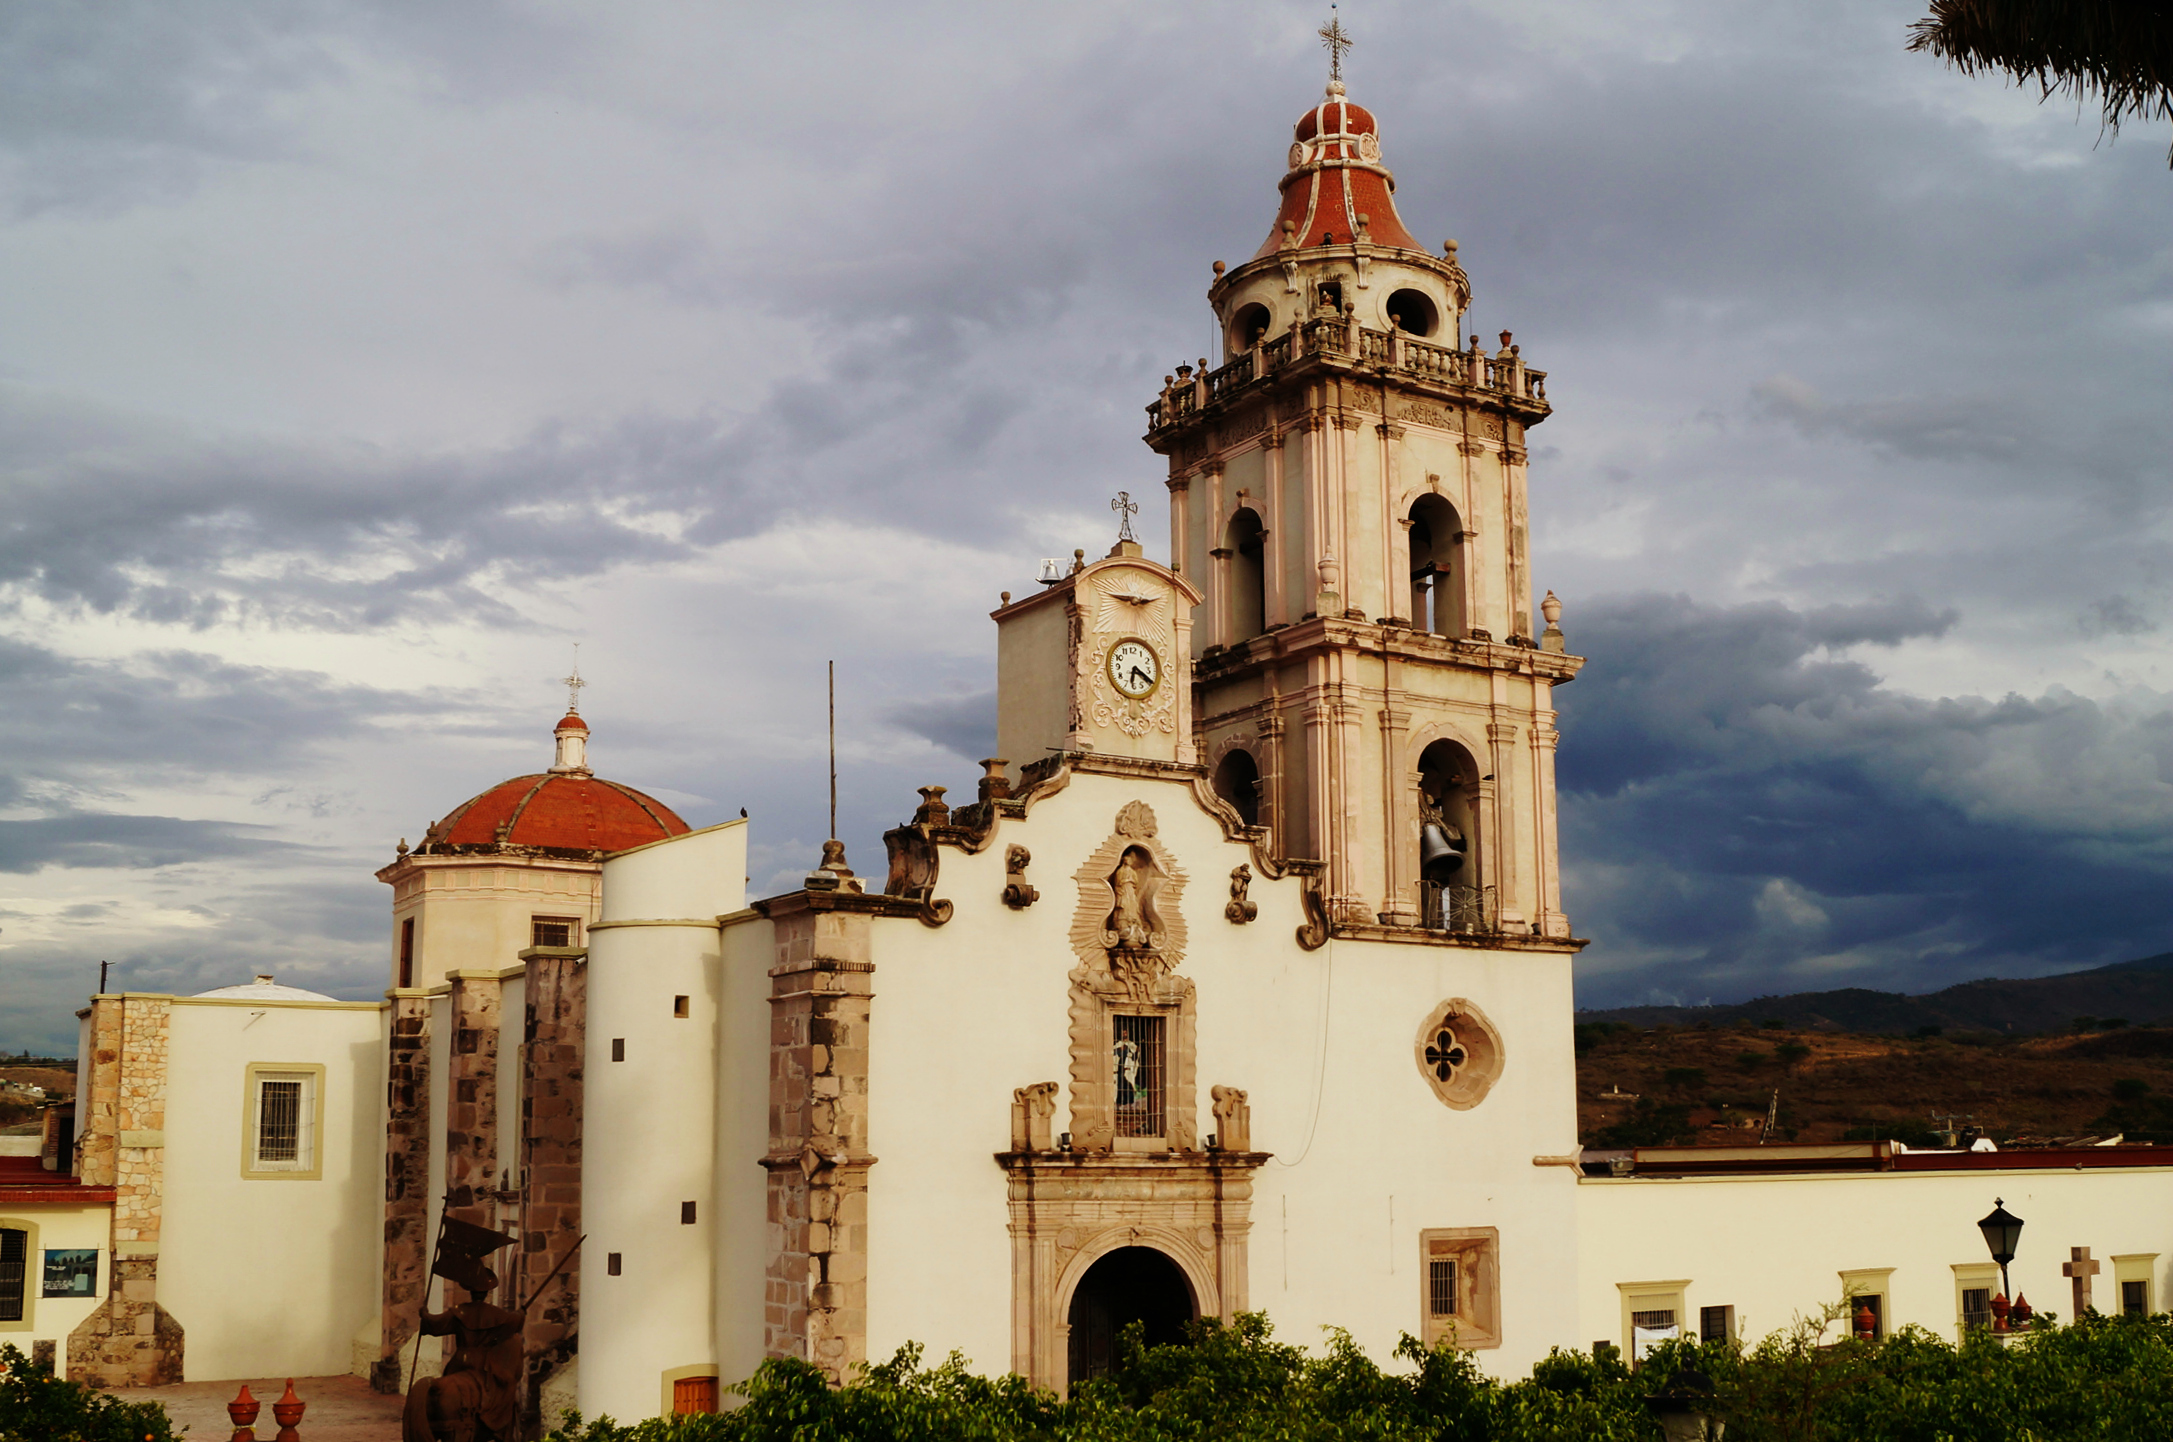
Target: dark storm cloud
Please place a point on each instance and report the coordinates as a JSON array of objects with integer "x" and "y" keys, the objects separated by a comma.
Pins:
[
  {"x": 73, "y": 721},
  {"x": 1745, "y": 811},
  {"x": 962, "y": 725},
  {"x": 132, "y": 842}
]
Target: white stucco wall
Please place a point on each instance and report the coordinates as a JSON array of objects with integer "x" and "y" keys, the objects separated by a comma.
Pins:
[
  {"x": 58, "y": 1227},
  {"x": 1774, "y": 1247},
  {"x": 1323, "y": 1043},
  {"x": 741, "y": 1225},
  {"x": 648, "y": 1140},
  {"x": 271, "y": 1276}
]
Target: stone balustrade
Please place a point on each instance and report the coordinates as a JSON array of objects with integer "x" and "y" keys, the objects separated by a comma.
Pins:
[{"x": 1344, "y": 339}]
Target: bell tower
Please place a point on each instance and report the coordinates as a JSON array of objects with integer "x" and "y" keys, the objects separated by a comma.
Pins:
[{"x": 1347, "y": 489}]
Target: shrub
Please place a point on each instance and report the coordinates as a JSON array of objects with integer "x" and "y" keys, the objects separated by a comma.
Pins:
[
  {"x": 1791, "y": 1052},
  {"x": 36, "y": 1406},
  {"x": 1683, "y": 1078},
  {"x": 1752, "y": 1060},
  {"x": 2130, "y": 1089}
]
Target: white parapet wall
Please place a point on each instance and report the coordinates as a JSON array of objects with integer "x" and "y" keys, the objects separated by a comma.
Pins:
[{"x": 648, "y": 1145}]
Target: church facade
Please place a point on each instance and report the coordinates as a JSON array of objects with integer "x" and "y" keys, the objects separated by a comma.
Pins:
[{"x": 1241, "y": 983}]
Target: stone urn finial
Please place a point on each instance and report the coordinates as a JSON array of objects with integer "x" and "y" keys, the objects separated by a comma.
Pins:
[{"x": 1551, "y": 608}]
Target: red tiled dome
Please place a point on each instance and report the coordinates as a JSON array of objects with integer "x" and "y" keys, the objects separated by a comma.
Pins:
[
  {"x": 572, "y": 722},
  {"x": 550, "y": 812},
  {"x": 1335, "y": 176}
]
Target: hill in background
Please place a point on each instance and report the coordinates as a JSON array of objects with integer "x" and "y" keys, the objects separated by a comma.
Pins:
[{"x": 2134, "y": 992}]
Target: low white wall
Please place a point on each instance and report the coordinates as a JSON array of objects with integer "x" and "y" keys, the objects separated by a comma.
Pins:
[
  {"x": 648, "y": 1139},
  {"x": 271, "y": 1276},
  {"x": 1774, "y": 1248}
]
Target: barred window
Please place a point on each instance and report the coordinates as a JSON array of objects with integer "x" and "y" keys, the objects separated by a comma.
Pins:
[
  {"x": 2135, "y": 1299},
  {"x": 14, "y": 1273},
  {"x": 1976, "y": 1308},
  {"x": 1654, "y": 1320},
  {"x": 1441, "y": 1286},
  {"x": 1716, "y": 1324},
  {"x": 551, "y": 931},
  {"x": 1137, "y": 1065},
  {"x": 285, "y": 1122}
]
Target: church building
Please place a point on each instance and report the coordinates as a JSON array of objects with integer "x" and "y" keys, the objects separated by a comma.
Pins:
[{"x": 1241, "y": 983}]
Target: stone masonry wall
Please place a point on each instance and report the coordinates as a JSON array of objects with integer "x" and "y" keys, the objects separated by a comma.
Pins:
[
  {"x": 407, "y": 1183},
  {"x": 130, "y": 1341},
  {"x": 551, "y": 1103},
  {"x": 815, "y": 1294}
]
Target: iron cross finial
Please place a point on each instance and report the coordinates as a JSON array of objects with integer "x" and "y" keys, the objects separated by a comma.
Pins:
[
  {"x": 1126, "y": 508},
  {"x": 574, "y": 683},
  {"x": 1337, "y": 40}
]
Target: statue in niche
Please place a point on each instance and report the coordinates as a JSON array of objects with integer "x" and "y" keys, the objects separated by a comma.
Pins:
[{"x": 1133, "y": 924}]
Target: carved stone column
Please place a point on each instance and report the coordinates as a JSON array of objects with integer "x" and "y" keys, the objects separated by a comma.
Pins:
[
  {"x": 407, "y": 1182},
  {"x": 1551, "y": 921},
  {"x": 1399, "y": 903},
  {"x": 1279, "y": 589},
  {"x": 1503, "y": 759},
  {"x": 1180, "y": 522},
  {"x": 821, "y": 993}
]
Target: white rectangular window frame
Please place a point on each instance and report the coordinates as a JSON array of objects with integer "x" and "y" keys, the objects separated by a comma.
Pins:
[
  {"x": 282, "y": 1136},
  {"x": 2140, "y": 1267},
  {"x": 1973, "y": 1278},
  {"x": 1652, "y": 1313},
  {"x": 1867, "y": 1282}
]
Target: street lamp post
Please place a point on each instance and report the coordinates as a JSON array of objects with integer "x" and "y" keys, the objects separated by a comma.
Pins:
[{"x": 2002, "y": 1232}]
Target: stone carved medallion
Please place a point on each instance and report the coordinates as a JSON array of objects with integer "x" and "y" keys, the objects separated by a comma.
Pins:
[{"x": 1459, "y": 1052}]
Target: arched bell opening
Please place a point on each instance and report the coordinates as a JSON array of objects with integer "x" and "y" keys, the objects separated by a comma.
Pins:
[
  {"x": 1451, "y": 887},
  {"x": 1237, "y": 781},
  {"x": 1130, "y": 1284},
  {"x": 1437, "y": 567},
  {"x": 1414, "y": 312},
  {"x": 1249, "y": 327},
  {"x": 1246, "y": 541}
]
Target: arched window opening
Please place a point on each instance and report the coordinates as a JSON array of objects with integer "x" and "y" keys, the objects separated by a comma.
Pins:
[
  {"x": 1246, "y": 540},
  {"x": 1130, "y": 1284},
  {"x": 1248, "y": 327},
  {"x": 1414, "y": 310},
  {"x": 1329, "y": 297},
  {"x": 1452, "y": 894},
  {"x": 1437, "y": 572},
  {"x": 1237, "y": 781}
]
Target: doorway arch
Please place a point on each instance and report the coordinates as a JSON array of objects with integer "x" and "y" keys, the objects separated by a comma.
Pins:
[{"x": 1129, "y": 1284}]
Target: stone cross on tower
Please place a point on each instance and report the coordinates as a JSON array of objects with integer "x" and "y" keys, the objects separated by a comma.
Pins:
[
  {"x": 1126, "y": 508},
  {"x": 2081, "y": 1268}
]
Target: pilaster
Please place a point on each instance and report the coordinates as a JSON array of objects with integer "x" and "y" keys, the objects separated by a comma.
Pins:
[{"x": 821, "y": 995}]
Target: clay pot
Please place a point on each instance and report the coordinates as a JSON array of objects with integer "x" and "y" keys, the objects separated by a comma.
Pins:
[
  {"x": 288, "y": 1409},
  {"x": 243, "y": 1409}
]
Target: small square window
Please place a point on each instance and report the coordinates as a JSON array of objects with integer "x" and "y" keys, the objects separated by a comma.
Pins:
[
  {"x": 679, "y": 1006},
  {"x": 686, "y": 1214},
  {"x": 693, "y": 1395},
  {"x": 611, "y": 1264},
  {"x": 2135, "y": 1299},
  {"x": 618, "y": 1048},
  {"x": 284, "y": 1108},
  {"x": 1716, "y": 1324},
  {"x": 551, "y": 930},
  {"x": 1462, "y": 1279}
]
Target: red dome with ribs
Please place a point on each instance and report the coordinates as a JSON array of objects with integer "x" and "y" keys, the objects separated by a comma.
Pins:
[
  {"x": 557, "y": 813},
  {"x": 1336, "y": 176}
]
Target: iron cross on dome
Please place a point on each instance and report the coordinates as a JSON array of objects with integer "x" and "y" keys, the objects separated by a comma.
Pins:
[
  {"x": 1126, "y": 508},
  {"x": 573, "y": 683},
  {"x": 1337, "y": 40}
]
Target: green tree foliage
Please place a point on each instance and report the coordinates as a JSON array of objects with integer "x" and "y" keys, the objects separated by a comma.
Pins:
[
  {"x": 2107, "y": 1377},
  {"x": 1683, "y": 1078},
  {"x": 2118, "y": 53},
  {"x": 36, "y": 1406}
]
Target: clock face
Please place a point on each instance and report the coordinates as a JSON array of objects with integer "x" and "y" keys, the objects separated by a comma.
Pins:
[{"x": 1134, "y": 669}]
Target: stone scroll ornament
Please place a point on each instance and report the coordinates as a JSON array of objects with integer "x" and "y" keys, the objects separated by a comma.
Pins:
[
  {"x": 914, "y": 860},
  {"x": 1017, "y": 894},
  {"x": 1128, "y": 922}
]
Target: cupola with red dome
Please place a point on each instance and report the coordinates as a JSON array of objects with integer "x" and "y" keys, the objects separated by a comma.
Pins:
[{"x": 567, "y": 811}]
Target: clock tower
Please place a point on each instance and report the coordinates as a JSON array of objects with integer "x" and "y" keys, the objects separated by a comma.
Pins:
[{"x": 1347, "y": 490}]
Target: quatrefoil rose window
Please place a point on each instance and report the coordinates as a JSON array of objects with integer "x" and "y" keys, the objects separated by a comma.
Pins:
[{"x": 1459, "y": 1053}]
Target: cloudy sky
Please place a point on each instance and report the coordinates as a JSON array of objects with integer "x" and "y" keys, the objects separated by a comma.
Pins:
[{"x": 356, "y": 361}]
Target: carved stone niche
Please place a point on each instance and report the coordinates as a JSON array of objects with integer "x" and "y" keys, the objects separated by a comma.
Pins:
[
  {"x": 1459, "y": 1053},
  {"x": 1132, "y": 1016}
]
